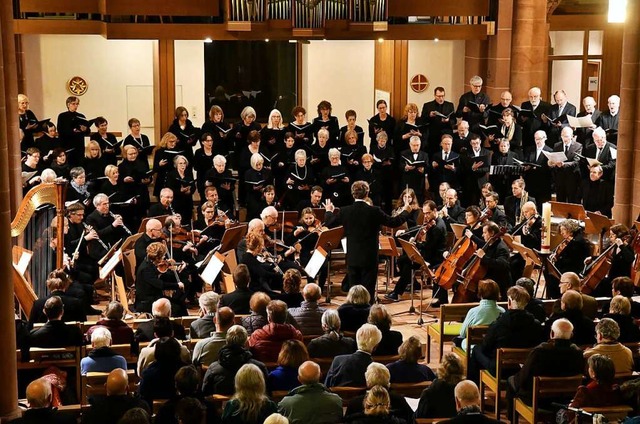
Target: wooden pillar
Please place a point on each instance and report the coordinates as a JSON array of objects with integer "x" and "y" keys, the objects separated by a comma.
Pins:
[
  {"x": 475, "y": 61},
  {"x": 611, "y": 62},
  {"x": 8, "y": 173},
  {"x": 164, "y": 84},
  {"x": 529, "y": 48},
  {"x": 498, "y": 75},
  {"x": 627, "y": 194},
  {"x": 391, "y": 60},
  {"x": 22, "y": 76}
]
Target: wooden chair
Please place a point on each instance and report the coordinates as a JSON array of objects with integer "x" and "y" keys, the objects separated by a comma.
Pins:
[
  {"x": 277, "y": 395},
  {"x": 61, "y": 357},
  {"x": 186, "y": 322},
  {"x": 347, "y": 393},
  {"x": 506, "y": 358},
  {"x": 430, "y": 420},
  {"x": 93, "y": 383},
  {"x": 386, "y": 359},
  {"x": 128, "y": 351},
  {"x": 611, "y": 413},
  {"x": 545, "y": 388},
  {"x": 412, "y": 390},
  {"x": 475, "y": 335}
]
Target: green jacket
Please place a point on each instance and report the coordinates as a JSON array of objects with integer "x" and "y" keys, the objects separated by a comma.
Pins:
[{"x": 311, "y": 404}]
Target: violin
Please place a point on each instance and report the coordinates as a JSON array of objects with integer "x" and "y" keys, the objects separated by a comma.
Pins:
[
  {"x": 288, "y": 227},
  {"x": 169, "y": 265},
  {"x": 558, "y": 250},
  {"x": 266, "y": 257},
  {"x": 422, "y": 234}
]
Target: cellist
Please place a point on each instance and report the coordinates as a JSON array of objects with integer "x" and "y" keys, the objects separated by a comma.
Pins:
[
  {"x": 495, "y": 258},
  {"x": 568, "y": 256},
  {"x": 431, "y": 243},
  {"x": 621, "y": 259},
  {"x": 530, "y": 232}
]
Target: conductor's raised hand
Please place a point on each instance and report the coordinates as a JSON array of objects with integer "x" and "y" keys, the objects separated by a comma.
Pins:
[{"x": 328, "y": 206}]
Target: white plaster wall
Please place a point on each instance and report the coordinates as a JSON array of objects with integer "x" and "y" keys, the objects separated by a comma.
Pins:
[{"x": 442, "y": 62}]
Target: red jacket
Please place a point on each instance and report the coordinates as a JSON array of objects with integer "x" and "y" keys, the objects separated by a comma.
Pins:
[{"x": 265, "y": 343}]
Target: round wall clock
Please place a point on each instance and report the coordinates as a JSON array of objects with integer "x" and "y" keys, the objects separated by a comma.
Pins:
[
  {"x": 77, "y": 86},
  {"x": 419, "y": 83}
]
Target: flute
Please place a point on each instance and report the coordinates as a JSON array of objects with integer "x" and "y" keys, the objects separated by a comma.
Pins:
[{"x": 124, "y": 227}]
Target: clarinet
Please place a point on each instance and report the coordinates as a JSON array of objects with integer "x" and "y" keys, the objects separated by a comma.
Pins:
[
  {"x": 124, "y": 227},
  {"x": 88, "y": 227}
]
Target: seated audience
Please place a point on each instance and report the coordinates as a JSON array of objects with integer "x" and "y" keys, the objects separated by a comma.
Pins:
[
  {"x": 355, "y": 310},
  {"x": 607, "y": 333},
  {"x": 135, "y": 416},
  {"x": 485, "y": 313},
  {"x": 258, "y": 317},
  {"x": 285, "y": 377},
  {"x": 73, "y": 307},
  {"x": 187, "y": 381},
  {"x": 265, "y": 343},
  {"x": 121, "y": 333},
  {"x": 162, "y": 329},
  {"x": 109, "y": 408},
  {"x": 624, "y": 286},
  {"x": 101, "y": 358},
  {"x": 378, "y": 375},
  {"x": 55, "y": 333},
  {"x": 407, "y": 369},
  {"x": 190, "y": 410},
  {"x": 619, "y": 311},
  {"x": 238, "y": 300},
  {"x": 438, "y": 399},
  {"x": 468, "y": 405},
  {"x": 348, "y": 370},
  {"x": 205, "y": 324},
  {"x": 219, "y": 377},
  {"x": 291, "y": 281},
  {"x": 157, "y": 380},
  {"x": 332, "y": 343},
  {"x": 206, "y": 350},
  {"x": 160, "y": 308},
  {"x": 308, "y": 315},
  {"x": 583, "y": 328},
  {"x": 311, "y": 402},
  {"x": 571, "y": 281},
  {"x": 535, "y": 306},
  {"x": 376, "y": 409},
  {"x": 391, "y": 339},
  {"x": 249, "y": 404},
  {"x": 40, "y": 410}
]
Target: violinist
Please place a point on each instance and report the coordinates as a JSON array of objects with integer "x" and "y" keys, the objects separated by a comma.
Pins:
[
  {"x": 152, "y": 233},
  {"x": 569, "y": 255},
  {"x": 495, "y": 257},
  {"x": 263, "y": 269},
  {"x": 529, "y": 230},
  {"x": 306, "y": 236},
  {"x": 621, "y": 259},
  {"x": 497, "y": 215},
  {"x": 183, "y": 250},
  {"x": 408, "y": 196},
  {"x": 154, "y": 276},
  {"x": 211, "y": 194},
  {"x": 268, "y": 199},
  {"x": 431, "y": 243},
  {"x": 211, "y": 227}
]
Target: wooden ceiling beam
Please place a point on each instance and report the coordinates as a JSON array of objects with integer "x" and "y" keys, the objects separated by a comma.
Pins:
[{"x": 438, "y": 8}]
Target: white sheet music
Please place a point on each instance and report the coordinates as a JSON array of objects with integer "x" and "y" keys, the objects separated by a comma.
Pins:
[
  {"x": 315, "y": 263},
  {"x": 555, "y": 156},
  {"x": 343, "y": 242},
  {"x": 582, "y": 122},
  {"x": 213, "y": 268},
  {"x": 23, "y": 262},
  {"x": 111, "y": 264}
]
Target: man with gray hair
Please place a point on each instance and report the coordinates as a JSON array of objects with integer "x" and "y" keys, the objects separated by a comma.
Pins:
[
  {"x": 101, "y": 358},
  {"x": 468, "y": 405},
  {"x": 558, "y": 357},
  {"x": 590, "y": 110},
  {"x": 332, "y": 343},
  {"x": 219, "y": 378},
  {"x": 378, "y": 375},
  {"x": 311, "y": 403},
  {"x": 609, "y": 119},
  {"x": 529, "y": 117},
  {"x": 40, "y": 411},
  {"x": 206, "y": 323},
  {"x": 413, "y": 164},
  {"x": 308, "y": 315},
  {"x": 349, "y": 370},
  {"x": 161, "y": 308},
  {"x": 472, "y": 104},
  {"x": 602, "y": 151},
  {"x": 108, "y": 226},
  {"x": 538, "y": 179},
  {"x": 607, "y": 334},
  {"x": 566, "y": 175}
]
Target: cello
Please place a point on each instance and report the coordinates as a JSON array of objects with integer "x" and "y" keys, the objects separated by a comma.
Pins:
[
  {"x": 447, "y": 273},
  {"x": 472, "y": 273},
  {"x": 596, "y": 270}
]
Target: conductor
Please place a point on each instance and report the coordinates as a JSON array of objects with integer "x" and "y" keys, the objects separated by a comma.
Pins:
[{"x": 361, "y": 227}]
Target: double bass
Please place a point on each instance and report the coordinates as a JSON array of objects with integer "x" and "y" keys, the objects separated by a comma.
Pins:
[{"x": 472, "y": 273}]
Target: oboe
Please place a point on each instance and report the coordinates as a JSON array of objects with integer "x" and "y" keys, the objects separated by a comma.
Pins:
[
  {"x": 124, "y": 227},
  {"x": 88, "y": 228}
]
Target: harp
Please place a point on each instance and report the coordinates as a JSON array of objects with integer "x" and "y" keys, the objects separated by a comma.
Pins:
[{"x": 41, "y": 209}]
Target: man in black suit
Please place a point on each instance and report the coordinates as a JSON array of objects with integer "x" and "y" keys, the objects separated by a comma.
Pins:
[
  {"x": 530, "y": 232},
  {"x": 109, "y": 408},
  {"x": 558, "y": 357},
  {"x": 55, "y": 333},
  {"x": 431, "y": 248},
  {"x": 467, "y": 398},
  {"x": 161, "y": 308},
  {"x": 73, "y": 308},
  {"x": 445, "y": 164},
  {"x": 152, "y": 233},
  {"x": 560, "y": 108},
  {"x": 584, "y": 134},
  {"x": 566, "y": 175},
  {"x": 538, "y": 179},
  {"x": 474, "y": 171},
  {"x": 238, "y": 300},
  {"x": 164, "y": 206},
  {"x": 504, "y": 156},
  {"x": 461, "y": 137},
  {"x": 314, "y": 201},
  {"x": 602, "y": 151},
  {"x": 432, "y": 112},
  {"x": 609, "y": 120},
  {"x": 40, "y": 410},
  {"x": 110, "y": 228},
  {"x": 413, "y": 175},
  {"x": 495, "y": 112},
  {"x": 348, "y": 370},
  {"x": 452, "y": 212},
  {"x": 473, "y": 103},
  {"x": 362, "y": 224},
  {"x": 497, "y": 215},
  {"x": 531, "y": 124},
  {"x": 513, "y": 204}
]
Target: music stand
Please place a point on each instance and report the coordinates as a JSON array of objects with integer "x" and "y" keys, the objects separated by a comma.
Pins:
[
  {"x": 568, "y": 210},
  {"x": 328, "y": 240},
  {"x": 319, "y": 213},
  {"x": 545, "y": 263},
  {"x": 232, "y": 237},
  {"x": 110, "y": 252},
  {"x": 106, "y": 272},
  {"x": 597, "y": 224},
  {"x": 415, "y": 257},
  {"x": 389, "y": 249},
  {"x": 143, "y": 224}
]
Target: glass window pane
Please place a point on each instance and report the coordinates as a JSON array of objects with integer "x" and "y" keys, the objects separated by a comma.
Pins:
[
  {"x": 595, "y": 42},
  {"x": 566, "y": 42},
  {"x": 567, "y": 75}
]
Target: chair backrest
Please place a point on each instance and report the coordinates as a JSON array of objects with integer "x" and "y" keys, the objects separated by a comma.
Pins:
[
  {"x": 475, "y": 334},
  {"x": 611, "y": 413},
  {"x": 509, "y": 358},
  {"x": 93, "y": 383},
  {"x": 554, "y": 387},
  {"x": 348, "y": 393},
  {"x": 386, "y": 359},
  {"x": 412, "y": 390}
]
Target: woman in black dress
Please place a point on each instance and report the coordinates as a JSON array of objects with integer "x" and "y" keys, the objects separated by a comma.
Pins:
[
  {"x": 272, "y": 135},
  {"x": 93, "y": 165},
  {"x": 107, "y": 141},
  {"x": 134, "y": 178},
  {"x": 301, "y": 129},
  {"x": 78, "y": 189},
  {"x": 328, "y": 122},
  {"x": 255, "y": 180},
  {"x": 59, "y": 163},
  {"x": 306, "y": 235},
  {"x": 300, "y": 180},
  {"x": 335, "y": 179},
  {"x": 153, "y": 278},
  {"x": 47, "y": 143},
  {"x": 319, "y": 152},
  {"x": 181, "y": 181},
  {"x": 28, "y": 123},
  {"x": 203, "y": 161},
  {"x": 381, "y": 122},
  {"x": 263, "y": 277},
  {"x": 137, "y": 139},
  {"x": 351, "y": 126},
  {"x": 220, "y": 177},
  {"x": 410, "y": 125},
  {"x": 218, "y": 130},
  {"x": 183, "y": 129},
  {"x": 241, "y": 132},
  {"x": 163, "y": 160}
]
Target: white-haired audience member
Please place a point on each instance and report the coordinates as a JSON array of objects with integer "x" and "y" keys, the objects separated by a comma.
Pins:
[
  {"x": 205, "y": 324},
  {"x": 161, "y": 308},
  {"x": 101, "y": 358},
  {"x": 348, "y": 370}
]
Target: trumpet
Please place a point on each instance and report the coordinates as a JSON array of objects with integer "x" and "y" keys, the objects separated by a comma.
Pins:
[{"x": 124, "y": 227}]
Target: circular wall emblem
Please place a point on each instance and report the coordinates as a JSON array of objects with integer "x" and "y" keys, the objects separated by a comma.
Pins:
[
  {"x": 419, "y": 83},
  {"x": 77, "y": 86}
]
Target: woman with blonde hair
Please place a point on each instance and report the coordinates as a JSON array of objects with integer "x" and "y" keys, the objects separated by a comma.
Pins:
[
  {"x": 92, "y": 162},
  {"x": 181, "y": 181},
  {"x": 249, "y": 404},
  {"x": 377, "y": 409},
  {"x": 438, "y": 400},
  {"x": 410, "y": 125},
  {"x": 166, "y": 151},
  {"x": 355, "y": 310},
  {"x": 273, "y": 132}
]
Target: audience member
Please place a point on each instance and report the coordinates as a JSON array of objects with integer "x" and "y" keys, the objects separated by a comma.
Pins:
[
  {"x": 73, "y": 307},
  {"x": 376, "y": 409},
  {"x": 619, "y": 311},
  {"x": 160, "y": 308},
  {"x": 206, "y": 350},
  {"x": 483, "y": 314},
  {"x": 205, "y": 324},
  {"x": 249, "y": 404},
  {"x": 391, "y": 339},
  {"x": 121, "y": 333},
  {"x": 583, "y": 328},
  {"x": 157, "y": 380},
  {"x": 190, "y": 410},
  {"x": 109, "y": 408},
  {"x": 438, "y": 399},
  {"x": 55, "y": 333},
  {"x": 291, "y": 282},
  {"x": 535, "y": 306},
  {"x": 571, "y": 281},
  {"x": 285, "y": 377},
  {"x": 40, "y": 410},
  {"x": 407, "y": 369},
  {"x": 355, "y": 310},
  {"x": 332, "y": 343},
  {"x": 348, "y": 370},
  {"x": 265, "y": 343},
  {"x": 607, "y": 334},
  {"x": 135, "y": 416},
  {"x": 187, "y": 381},
  {"x": 162, "y": 329},
  {"x": 308, "y": 315},
  {"x": 468, "y": 405},
  {"x": 238, "y": 300},
  {"x": 101, "y": 358}
]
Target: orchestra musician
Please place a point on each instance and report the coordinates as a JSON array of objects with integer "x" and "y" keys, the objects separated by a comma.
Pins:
[
  {"x": 530, "y": 233},
  {"x": 497, "y": 215},
  {"x": 568, "y": 256},
  {"x": 622, "y": 259},
  {"x": 155, "y": 277},
  {"x": 473, "y": 230},
  {"x": 214, "y": 222},
  {"x": 495, "y": 258},
  {"x": 265, "y": 273},
  {"x": 306, "y": 236},
  {"x": 165, "y": 205},
  {"x": 513, "y": 204},
  {"x": 431, "y": 243},
  {"x": 451, "y": 212},
  {"x": 152, "y": 233},
  {"x": 408, "y": 196},
  {"x": 211, "y": 195},
  {"x": 110, "y": 227}
]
